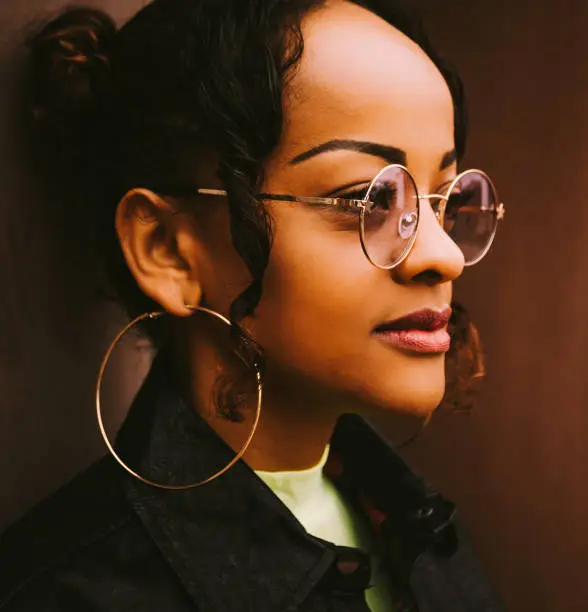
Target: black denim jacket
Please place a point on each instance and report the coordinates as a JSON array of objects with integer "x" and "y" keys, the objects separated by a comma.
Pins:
[{"x": 107, "y": 543}]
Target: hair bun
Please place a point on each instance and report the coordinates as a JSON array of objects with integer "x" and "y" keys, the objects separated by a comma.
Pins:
[{"x": 69, "y": 61}]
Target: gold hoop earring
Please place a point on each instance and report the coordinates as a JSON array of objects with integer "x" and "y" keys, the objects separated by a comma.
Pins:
[{"x": 242, "y": 450}]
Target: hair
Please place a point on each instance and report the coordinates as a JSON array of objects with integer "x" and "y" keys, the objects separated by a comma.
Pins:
[{"x": 138, "y": 107}]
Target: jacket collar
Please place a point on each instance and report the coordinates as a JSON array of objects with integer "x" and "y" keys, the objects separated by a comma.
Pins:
[
  {"x": 408, "y": 516},
  {"x": 232, "y": 542}
]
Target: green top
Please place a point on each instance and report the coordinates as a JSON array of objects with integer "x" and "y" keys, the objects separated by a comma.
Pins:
[{"x": 321, "y": 509}]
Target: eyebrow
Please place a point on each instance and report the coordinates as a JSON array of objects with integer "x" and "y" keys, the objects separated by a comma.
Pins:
[
  {"x": 392, "y": 155},
  {"x": 448, "y": 159}
]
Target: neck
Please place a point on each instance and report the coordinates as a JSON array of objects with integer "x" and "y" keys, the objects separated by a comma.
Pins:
[
  {"x": 293, "y": 431},
  {"x": 295, "y": 424}
]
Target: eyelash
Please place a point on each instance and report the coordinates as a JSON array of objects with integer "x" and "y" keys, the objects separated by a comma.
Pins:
[
  {"x": 359, "y": 192},
  {"x": 355, "y": 193},
  {"x": 443, "y": 188}
]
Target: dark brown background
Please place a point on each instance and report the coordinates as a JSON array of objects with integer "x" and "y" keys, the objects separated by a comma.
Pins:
[{"x": 519, "y": 465}]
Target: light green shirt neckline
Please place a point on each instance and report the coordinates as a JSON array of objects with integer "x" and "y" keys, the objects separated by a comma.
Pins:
[{"x": 321, "y": 509}]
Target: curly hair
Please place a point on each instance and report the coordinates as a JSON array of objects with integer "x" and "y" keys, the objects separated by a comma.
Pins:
[{"x": 139, "y": 106}]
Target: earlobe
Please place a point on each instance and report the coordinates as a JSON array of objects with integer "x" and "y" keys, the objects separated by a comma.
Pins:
[{"x": 147, "y": 227}]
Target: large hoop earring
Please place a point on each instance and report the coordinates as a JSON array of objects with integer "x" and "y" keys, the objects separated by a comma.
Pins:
[{"x": 242, "y": 450}]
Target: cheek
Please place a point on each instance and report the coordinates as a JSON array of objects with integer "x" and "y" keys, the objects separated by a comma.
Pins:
[
  {"x": 220, "y": 270},
  {"x": 316, "y": 290}
]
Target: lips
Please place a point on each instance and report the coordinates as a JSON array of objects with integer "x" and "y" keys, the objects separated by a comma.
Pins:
[
  {"x": 426, "y": 319},
  {"x": 422, "y": 331}
]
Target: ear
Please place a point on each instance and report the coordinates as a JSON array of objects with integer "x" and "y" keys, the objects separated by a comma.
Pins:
[{"x": 160, "y": 249}]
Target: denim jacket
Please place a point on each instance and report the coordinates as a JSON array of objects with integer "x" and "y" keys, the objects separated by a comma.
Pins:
[{"x": 108, "y": 543}]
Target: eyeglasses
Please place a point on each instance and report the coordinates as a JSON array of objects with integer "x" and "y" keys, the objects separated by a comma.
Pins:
[{"x": 389, "y": 213}]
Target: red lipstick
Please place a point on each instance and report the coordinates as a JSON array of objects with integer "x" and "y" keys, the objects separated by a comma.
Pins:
[{"x": 422, "y": 331}]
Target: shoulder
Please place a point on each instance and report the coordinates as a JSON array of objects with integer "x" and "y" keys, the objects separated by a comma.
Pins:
[{"x": 57, "y": 533}]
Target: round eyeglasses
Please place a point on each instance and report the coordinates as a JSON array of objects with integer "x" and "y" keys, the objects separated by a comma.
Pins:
[{"x": 389, "y": 212}]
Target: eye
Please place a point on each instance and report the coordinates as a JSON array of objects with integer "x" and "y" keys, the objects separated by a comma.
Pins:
[
  {"x": 443, "y": 188},
  {"x": 354, "y": 193},
  {"x": 383, "y": 197},
  {"x": 459, "y": 199},
  {"x": 340, "y": 217}
]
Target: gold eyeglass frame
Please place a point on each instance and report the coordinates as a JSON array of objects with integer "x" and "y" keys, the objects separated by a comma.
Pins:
[{"x": 363, "y": 207}]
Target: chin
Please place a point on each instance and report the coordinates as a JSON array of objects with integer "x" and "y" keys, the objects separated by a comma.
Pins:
[
  {"x": 416, "y": 390},
  {"x": 421, "y": 402}
]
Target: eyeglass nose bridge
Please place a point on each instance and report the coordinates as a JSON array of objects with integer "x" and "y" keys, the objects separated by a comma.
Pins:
[{"x": 439, "y": 208}]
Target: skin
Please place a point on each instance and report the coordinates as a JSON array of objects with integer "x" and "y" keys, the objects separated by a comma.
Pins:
[{"x": 322, "y": 298}]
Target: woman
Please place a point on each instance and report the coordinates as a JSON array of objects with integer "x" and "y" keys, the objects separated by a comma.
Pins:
[{"x": 289, "y": 167}]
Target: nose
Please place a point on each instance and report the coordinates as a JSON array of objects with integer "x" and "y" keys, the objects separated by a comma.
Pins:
[{"x": 434, "y": 257}]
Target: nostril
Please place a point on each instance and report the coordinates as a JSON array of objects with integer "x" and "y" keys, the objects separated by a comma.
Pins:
[{"x": 428, "y": 277}]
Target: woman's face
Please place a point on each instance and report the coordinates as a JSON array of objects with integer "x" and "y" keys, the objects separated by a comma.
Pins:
[{"x": 359, "y": 80}]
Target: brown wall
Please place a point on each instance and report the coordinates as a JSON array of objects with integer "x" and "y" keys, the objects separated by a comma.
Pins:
[
  {"x": 53, "y": 328},
  {"x": 517, "y": 466}
]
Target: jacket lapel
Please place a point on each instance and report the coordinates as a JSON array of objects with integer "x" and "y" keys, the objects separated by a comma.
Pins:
[
  {"x": 408, "y": 515},
  {"x": 428, "y": 555},
  {"x": 231, "y": 542}
]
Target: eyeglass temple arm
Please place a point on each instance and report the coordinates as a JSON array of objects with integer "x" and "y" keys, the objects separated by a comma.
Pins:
[
  {"x": 344, "y": 203},
  {"x": 500, "y": 209}
]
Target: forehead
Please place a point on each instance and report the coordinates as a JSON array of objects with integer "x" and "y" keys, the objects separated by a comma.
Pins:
[{"x": 360, "y": 78}]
